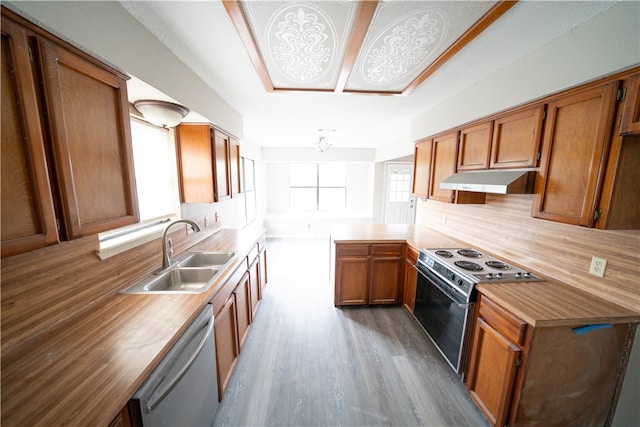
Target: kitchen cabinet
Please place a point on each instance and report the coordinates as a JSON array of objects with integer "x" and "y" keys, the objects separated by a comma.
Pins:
[
  {"x": 243, "y": 308},
  {"x": 443, "y": 165},
  {"x": 577, "y": 138},
  {"x": 410, "y": 277},
  {"x": 422, "y": 168},
  {"x": 67, "y": 166},
  {"x": 495, "y": 355},
  {"x": 234, "y": 167},
  {"x": 208, "y": 163},
  {"x": 516, "y": 138},
  {"x": 435, "y": 160},
  {"x": 263, "y": 265},
  {"x": 572, "y": 372},
  {"x": 227, "y": 348},
  {"x": 630, "y": 122},
  {"x": 254, "y": 280},
  {"x": 368, "y": 273},
  {"x": 195, "y": 168},
  {"x": 475, "y": 146}
]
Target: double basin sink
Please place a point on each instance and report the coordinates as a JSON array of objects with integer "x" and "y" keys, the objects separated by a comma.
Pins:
[{"x": 193, "y": 273}]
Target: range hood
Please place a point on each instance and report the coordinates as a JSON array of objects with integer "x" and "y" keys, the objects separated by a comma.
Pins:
[{"x": 492, "y": 181}]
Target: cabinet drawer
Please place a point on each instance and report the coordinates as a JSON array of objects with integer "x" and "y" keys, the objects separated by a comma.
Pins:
[
  {"x": 386, "y": 249},
  {"x": 352, "y": 250},
  {"x": 221, "y": 297},
  {"x": 502, "y": 321},
  {"x": 253, "y": 253}
]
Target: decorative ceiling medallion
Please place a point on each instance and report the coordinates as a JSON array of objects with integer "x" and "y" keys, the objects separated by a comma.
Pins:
[
  {"x": 362, "y": 47},
  {"x": 302, "y": 41},
  {"x": 403, "y": 46}
]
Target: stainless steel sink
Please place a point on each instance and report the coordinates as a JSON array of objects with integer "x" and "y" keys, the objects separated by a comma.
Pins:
[
  {"x": 194, "y": 273},
  {"x": 206, "y": 259}
]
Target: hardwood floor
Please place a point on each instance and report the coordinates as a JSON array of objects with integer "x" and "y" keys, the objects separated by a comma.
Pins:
[{"x": 307, "y": 363}]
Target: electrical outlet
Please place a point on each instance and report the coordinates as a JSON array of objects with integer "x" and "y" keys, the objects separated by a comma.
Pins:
[
  {"x": 598, "y": 266},
  {"x": 216, "y": 217},
  {"x": 206, "y": 221},
  {"x": 443, "y": 218}
]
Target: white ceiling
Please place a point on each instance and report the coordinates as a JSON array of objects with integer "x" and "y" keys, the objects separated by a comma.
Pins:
[{"x": 201, "y": 35}]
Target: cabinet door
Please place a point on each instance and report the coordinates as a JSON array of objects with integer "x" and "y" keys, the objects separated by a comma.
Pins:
[
  {"x": 384, "y": 279},
  {"x": 475, "y": 145},
  {"x": 445, "y": 155},
  {"x": 516, "y": 139},
  {"x": 263, "y": 271},
  {"x": 243, "y": 308},
  {"x": 492, "y": 371},
  {"x": 352, "y": 281},
  {"x": 630, "y": 123},
  {"x": 422, "y": 168},
  {"x": 195, "y": 163},
  {"x": 254, "y": 282},
  {"x": 226, "y": 343},
  {"x": 88, "y": 124},
  {"x": 234, "y": 166},
  {"x": 28, "y": 217},
  {"x": 410, "y": 278},
  {"x": 576, "y": 142},
  {"x": 221, "y": 165}
]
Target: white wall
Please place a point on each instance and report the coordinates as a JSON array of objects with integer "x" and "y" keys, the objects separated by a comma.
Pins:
[
  {"x": 279, "y": 221},
  {"x": 605, "y": 44}
]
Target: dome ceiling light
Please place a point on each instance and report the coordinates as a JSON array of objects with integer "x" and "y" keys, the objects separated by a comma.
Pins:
[
  {"x": 161, "y": 113},
  {"x": 362, "y": 47}
]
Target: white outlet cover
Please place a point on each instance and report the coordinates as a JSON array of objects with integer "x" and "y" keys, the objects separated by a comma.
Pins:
[{"x": 598, "y": 266}]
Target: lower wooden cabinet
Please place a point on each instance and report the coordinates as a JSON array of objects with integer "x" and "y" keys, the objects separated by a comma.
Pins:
[
  {"x": 410, "y": 278},
  {"x": 368, "y": 273},
  {"x": 242, "y": 295},
  {"x": 227, "y": 349},
  {"x": 520, "y": 375},
  {"x": 254, "y": 283}
]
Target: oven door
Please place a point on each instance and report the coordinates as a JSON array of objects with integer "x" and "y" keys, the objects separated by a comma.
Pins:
[{"x": 444, "y": 315}]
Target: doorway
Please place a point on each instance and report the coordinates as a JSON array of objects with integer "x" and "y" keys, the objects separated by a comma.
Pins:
[{"x": 398, "y": 201}]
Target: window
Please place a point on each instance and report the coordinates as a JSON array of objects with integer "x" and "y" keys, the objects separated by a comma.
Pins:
[
  {"x": 155, "y": 169},
  {"x": 317, "y": 186},
  {"x": 154, "y": 163}
]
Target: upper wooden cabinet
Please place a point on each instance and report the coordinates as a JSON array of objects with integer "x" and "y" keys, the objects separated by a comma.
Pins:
[
  {"x": 516, "y": 138},
  {"x": 443, "y": 165},
  {"x": 194, "y": 163},
  {"x": 630, "y": 123},
  {"x": 67, "y": 161},
  {"x": 475, "y": 146},
  {"x": 208, "y": 163},
  {"x": 576, "y": 142},
  {"x": 422, "y": 167}
]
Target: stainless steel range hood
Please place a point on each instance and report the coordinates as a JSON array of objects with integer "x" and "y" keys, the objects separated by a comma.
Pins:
[{"x": 492, "y": 181}]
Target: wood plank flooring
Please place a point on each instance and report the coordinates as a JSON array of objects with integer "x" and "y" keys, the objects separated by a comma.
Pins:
[{"x": 307, "y": 363}]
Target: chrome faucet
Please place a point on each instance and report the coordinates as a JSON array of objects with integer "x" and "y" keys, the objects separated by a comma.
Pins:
[{"x": 167, "y": 253}]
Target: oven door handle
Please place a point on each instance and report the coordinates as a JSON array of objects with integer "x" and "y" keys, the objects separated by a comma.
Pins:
[{"x": 451, "y": 293}]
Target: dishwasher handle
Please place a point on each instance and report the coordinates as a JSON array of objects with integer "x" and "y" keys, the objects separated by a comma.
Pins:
[{"x": 154, "y": 402}]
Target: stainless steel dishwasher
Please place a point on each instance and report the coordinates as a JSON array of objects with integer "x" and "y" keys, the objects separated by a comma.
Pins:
[{"x": 183, "y": 389}]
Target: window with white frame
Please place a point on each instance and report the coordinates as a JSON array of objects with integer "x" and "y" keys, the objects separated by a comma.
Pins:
[
  {"x": 155, "y": 170},
  {"x": 154, "y": 162},
  {"x": 317, "y": 186}
]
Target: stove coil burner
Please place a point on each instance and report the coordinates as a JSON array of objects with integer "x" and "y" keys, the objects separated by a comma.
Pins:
[
  {"x": 445, "y": 254},
  {"x": 470, "y": 253},
  {"x": 499, "y": 265},
  {"x": 468, "y": 265}
]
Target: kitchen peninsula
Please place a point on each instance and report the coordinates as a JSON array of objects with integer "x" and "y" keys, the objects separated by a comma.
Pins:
[{"x": 535, "y": 333}]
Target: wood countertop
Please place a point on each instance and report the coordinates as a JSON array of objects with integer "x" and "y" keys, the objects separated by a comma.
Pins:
[
  {"x": 83, "y": 371},
  {"x": 547, "y": 303}
]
